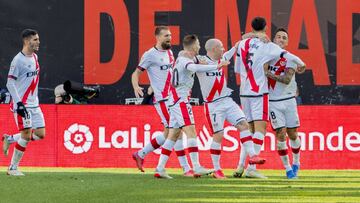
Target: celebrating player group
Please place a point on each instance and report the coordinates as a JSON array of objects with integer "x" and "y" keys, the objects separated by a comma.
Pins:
[{"x": 268, "y": 88}]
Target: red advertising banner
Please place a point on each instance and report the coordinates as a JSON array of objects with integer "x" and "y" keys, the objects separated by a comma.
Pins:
[{"x": 107, "y": 135}]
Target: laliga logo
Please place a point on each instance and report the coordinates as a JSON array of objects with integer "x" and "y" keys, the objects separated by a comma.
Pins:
[{"x": 78, "y": 138}]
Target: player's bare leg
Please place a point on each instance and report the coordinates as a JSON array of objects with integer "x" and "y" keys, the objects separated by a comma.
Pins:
[
  {"x": 283, "y": 152},
  {"x": 194, "y": 151},
  {"x": 215, "y": 151},
  {"x": 295, "y": 144}
]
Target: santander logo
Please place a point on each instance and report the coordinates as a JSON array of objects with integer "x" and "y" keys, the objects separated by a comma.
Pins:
[{"x": 78, "y": 138}]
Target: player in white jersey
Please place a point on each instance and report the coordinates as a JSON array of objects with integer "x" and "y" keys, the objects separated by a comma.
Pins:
[
  {"x": 219, "y": 106},
  {"x": 158, "y": 61},
  {"x": 283, "y": 110},
  {"x": 181, "y": 117},
  {"x": 22, "y": 83},
  {"x": 252, "y": 54}
]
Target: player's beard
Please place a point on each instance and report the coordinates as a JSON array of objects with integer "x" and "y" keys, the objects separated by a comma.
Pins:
[
  {"x": 166, "y": 45},
  {"x": 34, "y": 47}
]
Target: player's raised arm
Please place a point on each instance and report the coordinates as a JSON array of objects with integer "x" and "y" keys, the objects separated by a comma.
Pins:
[{"x": 230, "y": 53}]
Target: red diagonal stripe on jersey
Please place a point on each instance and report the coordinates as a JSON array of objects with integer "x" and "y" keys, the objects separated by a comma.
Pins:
[
  {"x": 166, "y": 89},
  {"x": 34, "y": 83},
  {"x": 217, "y": 87},
  {"x": 281, "y": 63},
  {"x": 171, "y": 58},
  {"x": 250, "y": 74}
]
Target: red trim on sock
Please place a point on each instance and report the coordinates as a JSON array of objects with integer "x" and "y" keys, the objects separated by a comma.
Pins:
[
  {"x": 193, "y": 149},
  {"x": 245, "y": 139},
  {"x": 215, "y": 151},
  {"x": 19, "y": 147},
  {"x": 180, "y": 153},
  {"x": 257, "y": 141},
  {"x": 165, "y": 152},
  {"x": 154, "y": 143},
  {"x": 282, "y": 152},
  {"x": 295, "y": 150}
]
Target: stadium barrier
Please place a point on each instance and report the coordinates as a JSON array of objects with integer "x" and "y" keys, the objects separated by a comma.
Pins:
[{"x": 107, "y": 135}]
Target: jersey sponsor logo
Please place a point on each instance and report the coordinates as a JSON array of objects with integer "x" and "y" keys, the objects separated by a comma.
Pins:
[
  {"x": 166, "y": 67},
  {"x": 275, "y": 68},
  {"x": 32, "y": 74},
  {"x": 78, "y": 138},
  {"x": 214, "y": 73}
]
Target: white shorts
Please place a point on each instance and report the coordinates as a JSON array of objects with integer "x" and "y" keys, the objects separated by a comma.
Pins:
[
  {"x": 255, "y": 108},
  {"x": 284, "y": 114},
  {"x": 35, "y": 119},
  {"x": 223, "y": 109},
  {"x": 181, "y": 115},
  {"x": 162, "y": 109}
]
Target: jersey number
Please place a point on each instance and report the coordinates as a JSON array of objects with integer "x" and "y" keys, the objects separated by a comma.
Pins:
[
  {"x": 272, "y": 114},
  {"x": 175, "y": 78}
]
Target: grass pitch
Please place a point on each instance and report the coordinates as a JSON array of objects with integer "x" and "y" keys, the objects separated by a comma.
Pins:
[{"x": 128, "y": 185}]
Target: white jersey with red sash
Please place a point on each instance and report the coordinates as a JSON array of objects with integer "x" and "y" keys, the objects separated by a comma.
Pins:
[{"x": 158, "y": 64}]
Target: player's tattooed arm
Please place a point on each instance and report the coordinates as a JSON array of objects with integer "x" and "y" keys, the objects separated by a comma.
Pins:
[{"x": 289, "y": 73}]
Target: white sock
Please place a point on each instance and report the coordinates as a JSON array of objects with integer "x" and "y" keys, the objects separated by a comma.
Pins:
[
  {"x": 154, "y": 144},
  {"x": 283, "y": 153},
  {"x": 14, "y": 138},
  {"x": 193, "y": 152},
  {"x": 19, "y": 150},
  {"x": 258, "y": 139},
  {"x": 215, "y": 150},
  {"x": 165, "y": 153},
  {"x": 295, "y": 147},
  {"x": 181, "y": 155},
  {"x": 243, "y": 155},
  {"x": 247, "y": 143}
]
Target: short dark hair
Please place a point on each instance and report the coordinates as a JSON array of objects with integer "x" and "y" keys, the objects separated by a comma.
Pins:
[
  {"x": 158, "y": 29},
  {"x": 258, "y": 23},
  {"x": 189, "y": 40},
  {"x": 27, "y": 33},
  {"x": 281, "y": 30}
]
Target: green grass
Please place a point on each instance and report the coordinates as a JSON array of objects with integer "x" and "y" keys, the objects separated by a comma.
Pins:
[{"x": 127, "y": 185}]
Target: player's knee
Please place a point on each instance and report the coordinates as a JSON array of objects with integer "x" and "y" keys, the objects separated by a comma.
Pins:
[
  {"x": 26, "y": 134},
  {"x": 243, "y": 125},
  {"x": 293, "y": 135},
  {"x": 217, "y": 137},
  {"x": 281, "y": 134},
  {"x": 40, "y": 133}
]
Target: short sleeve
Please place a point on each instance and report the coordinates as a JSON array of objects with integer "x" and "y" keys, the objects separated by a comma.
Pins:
[
  {"x": 14, "y": 70},
  {"x": 145, "y": 61}
]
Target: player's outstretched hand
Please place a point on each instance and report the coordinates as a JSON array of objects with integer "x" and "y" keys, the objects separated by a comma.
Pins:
[
  {"x": 223, "y": 63},
  {"x": 21, "y": 110},
  {"x": 138, "y": 91}
]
